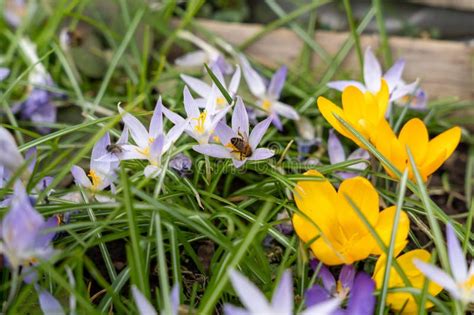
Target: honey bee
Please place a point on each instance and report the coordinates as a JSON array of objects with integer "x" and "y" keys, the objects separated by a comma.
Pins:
[
  {"x": 114, "y": 148},
  {"x": 241, "y": 146}
]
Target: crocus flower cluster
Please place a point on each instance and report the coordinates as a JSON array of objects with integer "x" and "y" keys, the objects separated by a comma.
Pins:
[
  {"x": 364, "y": 112},
  {"x": 335, "y": 224}
]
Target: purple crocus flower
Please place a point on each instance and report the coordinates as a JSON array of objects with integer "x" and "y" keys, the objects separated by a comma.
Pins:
[
  {"x": 337, "y": 155},
  {"x": 358, "y": 287},
  {"x": 282, "y": 302},
  {"x": 4, "y": 72},
  {"x": 373, "y": 78},
  {"x": 199, "y": 124},
  {"x": 205, "y": 90},
  {"x": 236, "y": 144},
  {"x": 460, "y": 284},
  {"x": 38, "y": 106},
  {"x": 48, "y": 303},
  {"x": 23, "y": 236},
  {"x": 101, "y": 172},
  {"x": 10, "y": 158},
  {"x": 206, "y": 55},
  {"x": 145, "y": 307},
  {"x": 268, "y": 95},
  {"x": 150, "y": 144}
]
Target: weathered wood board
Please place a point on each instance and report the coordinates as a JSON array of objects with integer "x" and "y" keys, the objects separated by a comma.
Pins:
[
  {"x": 445, "y": 68},
  {"x": 451, "y": 4}
]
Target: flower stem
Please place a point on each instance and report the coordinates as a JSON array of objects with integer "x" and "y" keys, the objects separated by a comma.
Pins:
[
  {"x": 13, "y": 290},
  {"x": 208, "y": 168}
]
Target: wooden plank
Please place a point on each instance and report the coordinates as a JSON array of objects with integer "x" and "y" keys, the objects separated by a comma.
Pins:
[
  {"x": 445, "y": 68},
  {"x": 451, "y": 4}
]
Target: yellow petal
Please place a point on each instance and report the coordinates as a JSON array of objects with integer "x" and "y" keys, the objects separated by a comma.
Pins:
[
  {"x": 440, "y": 149},
  {"x": 328, "y": 251},
  {"x": 316, "y": 199},
  {"x": 384, "y": 229},
  {"x": 415, "y": 135},
  {"x": 365, "y": 197},
  {"x": 382, "y": 99},
  {"x": 370, "y": 110},
  {"x": 352, "y": 103},
  {"x": 328, "y": 109}
]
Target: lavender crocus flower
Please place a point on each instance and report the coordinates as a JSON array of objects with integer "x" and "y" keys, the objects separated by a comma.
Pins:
[
  {"x": 48, "y": 303},
  {"x": 101, "y": 172},
  {"x": 205, "y": 90},
  {"x": 11, "y": 159},
  {"x": 373, "y": 78},
  {"x": 268, "y": 95},
  {"x": 23, "y": 236},
  {"x": 38, "y": 106},
  {"x": 358, "y": 287},
  {"x": 152, "y": 144},
  {"x": 199, "y": 125},
  {"x": 282, "y": 302},
  {"x": 337, "y": 155},
  {"x": 206, "y": 55},
  {"x": 145, "y": 307},
  {"x": 235, "y": 142},
  {"x": 4, "y": 72},
  {"x": 460, "y": 284}
]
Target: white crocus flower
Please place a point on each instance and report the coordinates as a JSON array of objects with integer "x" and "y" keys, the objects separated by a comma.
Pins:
[
  {"x": 101, "y": 172},
  {"x": 268, "y": 95},
  {"x": 149, "y": 144},
  {"x": 204, "y": 90},
  {"x": 282, "y": 302},
  {"x": 206, "y": 55},
  {"x": 199, "y": 124},
  {"x": 460, "y": 284}
]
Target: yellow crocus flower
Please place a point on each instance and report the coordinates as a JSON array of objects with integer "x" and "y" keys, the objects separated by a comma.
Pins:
[
  {"x": 332, "y": 226},
  {"x": 363, "y": 111},
  {"x": 429, "y": 155},
  {"x": 402, "y": 300}
]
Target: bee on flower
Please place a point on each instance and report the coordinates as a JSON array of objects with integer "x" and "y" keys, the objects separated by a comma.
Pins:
[
  {"x": 237, "y": 143},
  {"x": 101, "y": 172}
]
